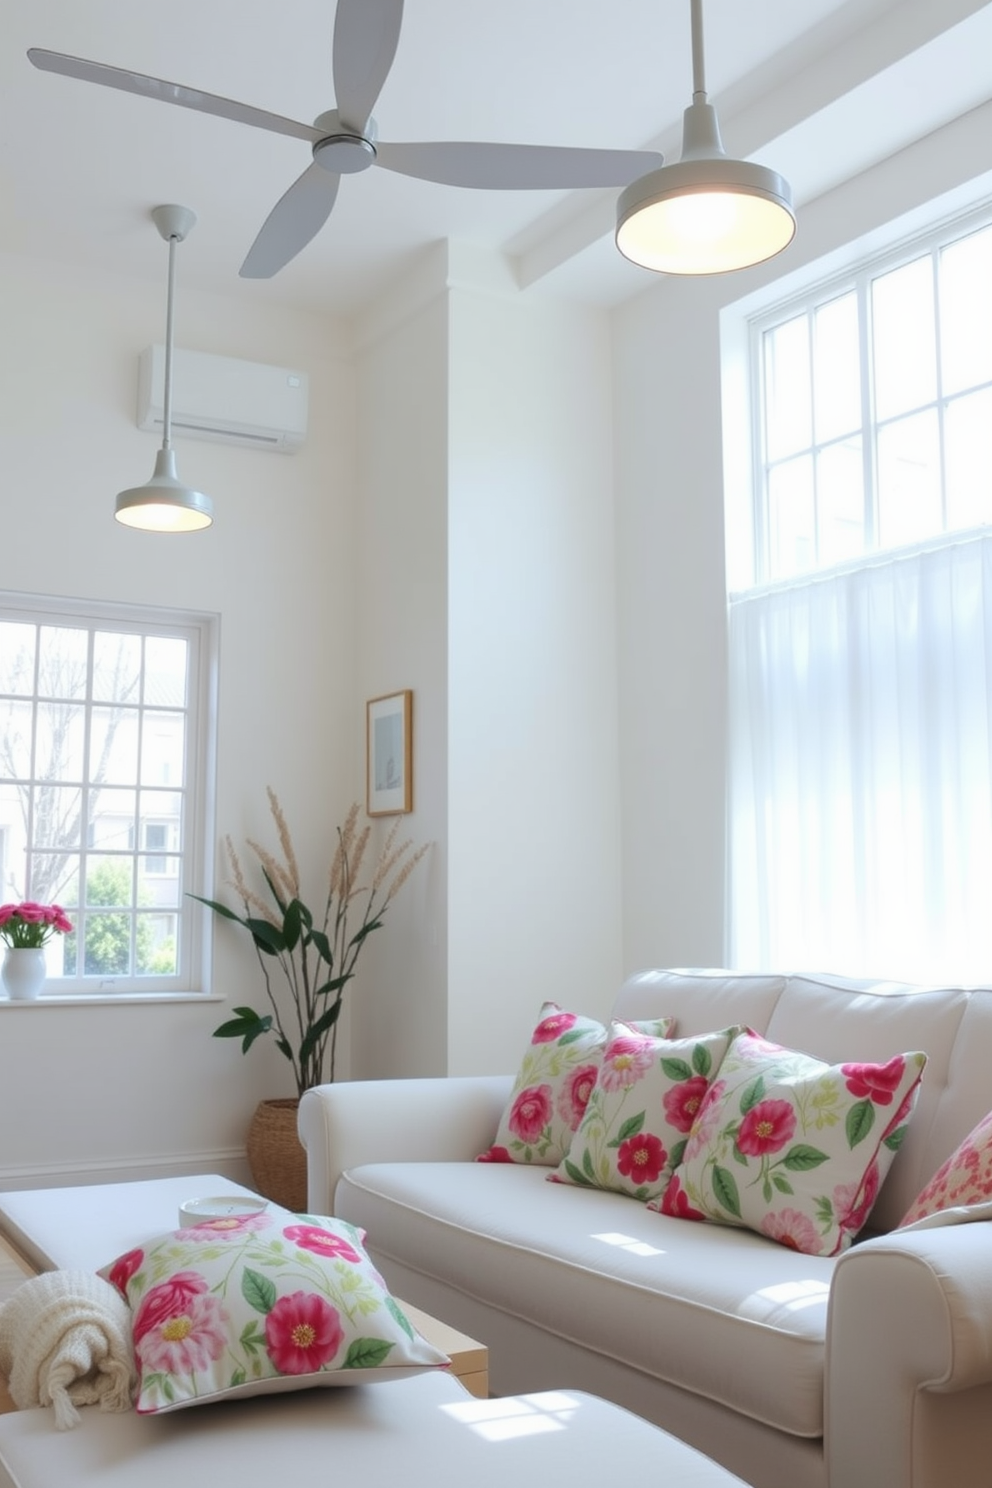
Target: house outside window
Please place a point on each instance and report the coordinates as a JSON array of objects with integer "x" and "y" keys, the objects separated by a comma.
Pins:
[
  {"x": 861, "y": 652},
  {"x": 106, "y": 760}
]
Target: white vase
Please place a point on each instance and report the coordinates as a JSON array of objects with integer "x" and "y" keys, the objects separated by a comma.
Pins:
[{"x": 23, "y": 972}]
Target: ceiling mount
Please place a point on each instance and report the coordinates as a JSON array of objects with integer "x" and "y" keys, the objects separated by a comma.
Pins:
[
  {"x": 164, "y": 504},
  {"x": 343, "y": 140},
  {"x": 707, "y": 214}
]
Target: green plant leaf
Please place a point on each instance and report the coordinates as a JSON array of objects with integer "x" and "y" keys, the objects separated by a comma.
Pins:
[
  {"x": 802, "y": 1158},
  {"x": 860, "y": 1120},
  {"x": 576, "y": 1174},
  {"x": 587, "y": 1166},
  {"x": 219, "y": 908},
  {"x": 292, "y": 925},
  {"x": 326, "y": 1020},
  {"x": 367, "y": 1353},
  {"x": 267, "y": 937},
  {"x": 782, "y": 1184},
  {"x": 247, "y": 1026},
  {"x": 323, "y": 945},
  {"x": 334, "y": 985},
  {"x": 257, "y": 1290},
  {"x": 725, "y": 1189},
  {"x": 895, "y": 1138}
]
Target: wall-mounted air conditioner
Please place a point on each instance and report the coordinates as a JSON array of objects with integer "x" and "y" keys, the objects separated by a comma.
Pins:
[{"x": 224, "y": 398}]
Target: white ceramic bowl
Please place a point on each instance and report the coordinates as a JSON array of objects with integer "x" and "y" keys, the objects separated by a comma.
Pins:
[{"x": 221, "y": 1206}]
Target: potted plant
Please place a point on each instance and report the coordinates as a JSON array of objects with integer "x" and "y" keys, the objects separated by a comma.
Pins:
[
  {"x": 25, "y": 930},
  {"x": 307, "y": 959}
]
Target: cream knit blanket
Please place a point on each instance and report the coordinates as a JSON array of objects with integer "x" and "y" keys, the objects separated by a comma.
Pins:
[{"x": 65, "y": 1340}]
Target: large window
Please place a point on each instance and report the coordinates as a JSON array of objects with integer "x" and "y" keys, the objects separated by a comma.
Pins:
[
  {"x": 875, "y": 410},
  {"x": 861, "y": 656},
  {"x": 105, "y": 761}
]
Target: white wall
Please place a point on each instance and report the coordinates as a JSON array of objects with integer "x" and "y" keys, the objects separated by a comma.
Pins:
[
  {"x": 534, "y": 885},
  {"x": 668, "y": 399},
  {"x": 131, "y": 1089},
  {"x": 399, "y": 1001},
  {"x": 488, "y": 587}
]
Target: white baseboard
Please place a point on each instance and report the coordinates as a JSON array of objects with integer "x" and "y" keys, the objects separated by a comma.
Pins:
[{"x": 228, "y": 1162}]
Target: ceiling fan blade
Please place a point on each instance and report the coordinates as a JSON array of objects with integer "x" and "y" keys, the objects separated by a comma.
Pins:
[
  {"x": 516, "y": 167},
  {"x": 297, "y": 217},
  {"x": 365, "y": 36},
  {"x": 149, "y": 87}
]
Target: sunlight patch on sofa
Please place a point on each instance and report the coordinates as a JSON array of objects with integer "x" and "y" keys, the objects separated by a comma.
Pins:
[
  {"x": 628, "y": 1243},
  {"x": 524, "y": 1415}
]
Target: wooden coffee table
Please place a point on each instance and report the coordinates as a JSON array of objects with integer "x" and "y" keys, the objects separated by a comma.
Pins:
[{"x": 32, "y": 1245}]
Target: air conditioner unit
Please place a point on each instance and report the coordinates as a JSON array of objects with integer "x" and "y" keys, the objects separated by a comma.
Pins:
[{"x": 224, "y": 398}]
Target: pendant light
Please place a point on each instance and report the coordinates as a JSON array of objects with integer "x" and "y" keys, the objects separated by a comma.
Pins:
[
  {"x": 707, "y": 214},
  {"x": 165, "y": 504}
]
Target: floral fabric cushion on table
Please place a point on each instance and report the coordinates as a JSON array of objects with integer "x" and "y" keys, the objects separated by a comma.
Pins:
[
  {"x": 552, "y": 1087},
  {"x": 794, "y": 1148},
  {"x": 965, "y": 1179},
  {"x": 258, "y": 1304},
  {"x": 647, "y": 1094}
]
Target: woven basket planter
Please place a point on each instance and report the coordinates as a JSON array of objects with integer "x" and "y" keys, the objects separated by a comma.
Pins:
[{"x": 276, "y": 1155}]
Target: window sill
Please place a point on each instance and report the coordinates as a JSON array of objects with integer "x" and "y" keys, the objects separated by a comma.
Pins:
[{"x": 106, "y": 999}]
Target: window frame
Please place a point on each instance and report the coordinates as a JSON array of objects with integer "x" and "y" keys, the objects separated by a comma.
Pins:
[
  {"x": 856, "y": 277},
  {"x": 201, "y": 630}
]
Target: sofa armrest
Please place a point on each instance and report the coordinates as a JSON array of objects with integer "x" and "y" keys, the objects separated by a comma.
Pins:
[
  {"x": 447, "y": 1119},
  {"x": 909, "y": 1332}
]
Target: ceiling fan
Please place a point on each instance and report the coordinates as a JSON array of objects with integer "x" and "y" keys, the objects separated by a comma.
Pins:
[{"x": 345, "y": 140}]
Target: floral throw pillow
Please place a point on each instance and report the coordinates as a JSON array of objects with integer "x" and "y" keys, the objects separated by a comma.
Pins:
[
  {"x": 964, "y": 1179},
  {"x": 552, "y": 1087},
  {"x": 642, "y": 1106},
  {"x": 259, "y": 1304},
  {"x": 794, "y": 1148}
]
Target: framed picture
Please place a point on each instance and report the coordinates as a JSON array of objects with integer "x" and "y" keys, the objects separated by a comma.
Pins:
[{"x": 389, "y": 754}]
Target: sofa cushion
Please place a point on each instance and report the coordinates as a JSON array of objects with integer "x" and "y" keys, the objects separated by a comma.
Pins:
[
  {"x": 552, "y": 1086},
  {"x": 794, "y": 1148},
  {"x": 673, "y": 1300},
  {"x": 647, "y": 1093},
  {"x": 255, "y": 1305}
]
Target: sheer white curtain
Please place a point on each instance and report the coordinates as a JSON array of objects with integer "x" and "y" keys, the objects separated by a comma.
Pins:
[{"x": 861, "y": 769}]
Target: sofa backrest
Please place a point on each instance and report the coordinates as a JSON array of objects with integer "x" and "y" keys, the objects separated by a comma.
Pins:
[{"x": 838, "y": 1019}]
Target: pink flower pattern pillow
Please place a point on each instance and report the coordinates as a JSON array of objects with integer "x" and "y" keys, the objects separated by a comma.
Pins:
[
  {"x": 642, "y": 1106},
  {"x": 258, "y": 1304},
  {"x": 794, "y": 1148},
  {"x": 552, "y": 1086},
  {"x": 964, "y": 1179}
]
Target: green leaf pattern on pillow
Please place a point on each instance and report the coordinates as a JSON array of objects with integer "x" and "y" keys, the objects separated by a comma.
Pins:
[
  {"x": 552, "y": 1087},
  {"x": 246, "y": 1304},
  {"x": 794, "y": 1148},
  {"x": 646, "y": 1097}
]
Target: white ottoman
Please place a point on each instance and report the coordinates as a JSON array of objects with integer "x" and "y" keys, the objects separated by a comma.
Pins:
[{"x": 421, "y": 1430}]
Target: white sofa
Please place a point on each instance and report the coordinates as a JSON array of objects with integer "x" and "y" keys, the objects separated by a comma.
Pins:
[{"x": 872, "y": 1369}]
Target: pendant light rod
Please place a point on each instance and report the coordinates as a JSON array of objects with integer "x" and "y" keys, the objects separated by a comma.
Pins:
[
  {"x": 164, "y": 504},
  {"x": 169, "y": 321},
  {"x": 698, "y": 69}
]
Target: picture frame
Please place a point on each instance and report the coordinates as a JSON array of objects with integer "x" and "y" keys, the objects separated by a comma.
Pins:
[{"x": 389, "y": 754}]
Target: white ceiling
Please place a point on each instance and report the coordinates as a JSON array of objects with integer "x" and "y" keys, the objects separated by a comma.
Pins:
[{"x": 835, "y": 84}]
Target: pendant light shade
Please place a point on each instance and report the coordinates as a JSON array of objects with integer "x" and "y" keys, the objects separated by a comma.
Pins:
[
  {"x": 164, "y": 504},
  {"x": 707, "y": 214}
]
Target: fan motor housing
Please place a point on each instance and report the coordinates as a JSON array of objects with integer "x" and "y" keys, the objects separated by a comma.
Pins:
[{"x": 344, "y": 151}]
